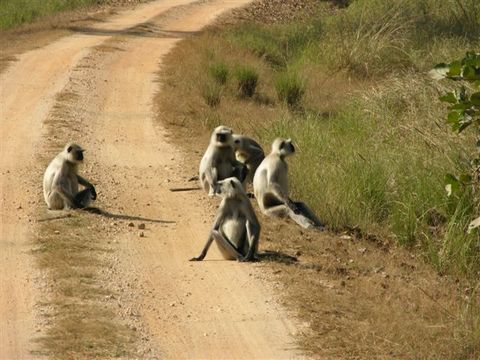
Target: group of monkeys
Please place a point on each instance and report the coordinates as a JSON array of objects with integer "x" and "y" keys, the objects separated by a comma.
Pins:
[{"x": 230, "y": 162}]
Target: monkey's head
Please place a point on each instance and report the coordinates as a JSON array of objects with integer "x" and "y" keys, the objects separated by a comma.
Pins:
[
  {"x": 283, "y": 147},
  {"x": 230, "y": 187},
  {"x": 73, "y": 153},
  {"x": 222, "y": 136},
  {"x": 238, "y": 142}
]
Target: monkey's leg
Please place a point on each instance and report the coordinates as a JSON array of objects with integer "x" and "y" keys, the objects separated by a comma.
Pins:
[
  {"x": 55, "y": 201},
  {"x": 308, "y": 213},
  {"x": 281, "y": 211},
  {"x": 83, "y": 198},
  {"x": 228, "y": 251}
]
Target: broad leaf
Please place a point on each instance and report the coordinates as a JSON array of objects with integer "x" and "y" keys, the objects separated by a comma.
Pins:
[
  {"x": 475, "y": 98},
  {"x": 455, "y": 69},
  {"x": 450, "y": 98},
  {"x": 454, "y": 117}
]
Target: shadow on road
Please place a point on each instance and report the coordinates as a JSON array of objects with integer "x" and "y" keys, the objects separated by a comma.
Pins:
[
  {"x": 97, "y": 211},
  {"x": 142, "y": 30},
  {"x": 110, "y": 215}
]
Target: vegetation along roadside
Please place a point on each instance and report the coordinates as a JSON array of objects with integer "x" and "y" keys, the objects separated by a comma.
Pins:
[{"x": 350, "y": 85}]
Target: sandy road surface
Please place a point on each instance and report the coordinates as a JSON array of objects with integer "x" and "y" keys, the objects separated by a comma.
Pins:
[{"x": 214, "y": 309}]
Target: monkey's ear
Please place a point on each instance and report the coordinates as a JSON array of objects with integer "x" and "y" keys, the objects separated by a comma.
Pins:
[
  {"x": 233, "y": 183},
  {"x": 69, "y": 149}
]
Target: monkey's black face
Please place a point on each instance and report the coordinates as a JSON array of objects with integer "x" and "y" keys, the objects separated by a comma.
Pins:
[
  {"x": 79, "y": 155},
  {"x": 288, "y": 146},
  {"x": 222, "y": 137},
  {"x": 292, "y": 148}
]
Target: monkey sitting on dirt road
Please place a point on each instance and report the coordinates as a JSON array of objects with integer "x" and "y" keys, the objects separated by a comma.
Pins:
[
  {"x": 248, "y": 152},
  {"x": 236, "y": 229},
  {"x": 61, "y": 180},
  {"x": 219, "y": 161},
  {"x": 270, "y": 186}
]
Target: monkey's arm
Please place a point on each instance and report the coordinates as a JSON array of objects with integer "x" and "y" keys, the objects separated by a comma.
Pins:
[
  {"x": 211, "y": 175},
  {"x": 88, "y": 185},
  {"x": 216, "y": 226},
  {"x": 278, "y": 191}
]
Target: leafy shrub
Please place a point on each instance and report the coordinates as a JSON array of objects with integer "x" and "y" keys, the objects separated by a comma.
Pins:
[
  {"x": 290, "y": 89},
  {"x": 219, "y": 72},
  {"x": 247, "y": 79}
]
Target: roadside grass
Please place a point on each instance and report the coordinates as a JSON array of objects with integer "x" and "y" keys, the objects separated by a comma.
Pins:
[
  {"x": 374, "y": 146},
  {"x": 290, "y": 89},
  {"x": 18, "y": 12},
  {"x": 247, "y": 80},
  {"x": 373, "y": 143}
]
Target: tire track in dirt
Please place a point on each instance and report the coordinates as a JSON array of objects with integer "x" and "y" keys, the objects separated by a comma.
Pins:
[{"x": 216, "y": 309}]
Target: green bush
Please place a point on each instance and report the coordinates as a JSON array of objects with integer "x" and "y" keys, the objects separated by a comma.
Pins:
[
  {"x": 290, "y": 89},
  {"x": 219, "y": 72},
  {"x": 247, "y": 79}
]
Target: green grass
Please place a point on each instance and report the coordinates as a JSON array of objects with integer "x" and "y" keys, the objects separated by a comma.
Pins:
[
  {"x": 372, "y": 138},
  {"x": 374, "y": 145},
  {"x": 212, "y": 94},
  {"x": 18, "y": 12},
  {"x": 290, "y": 89},
  {"x": 377, "y": 159},
  {"x": 219, "y": 72},
  {"x": 247, "y": 80}
]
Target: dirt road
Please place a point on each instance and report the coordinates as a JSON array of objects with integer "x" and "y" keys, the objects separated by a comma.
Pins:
[{"x": 214, "y": 309}]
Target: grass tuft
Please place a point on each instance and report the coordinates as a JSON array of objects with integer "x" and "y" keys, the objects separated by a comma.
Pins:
[
  {"x": 212, "y": 94},
  {"x": 290, "y": 89},
  {"x": 219, "y": 72},
  {"x": 247, "y": 79}
]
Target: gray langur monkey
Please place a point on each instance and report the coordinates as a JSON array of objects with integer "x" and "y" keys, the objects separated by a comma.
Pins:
[
  {"x": 236, "y": 229},
  {"x": 270, "y": 186},
  {"x": 248, "y": 152},
  {"x": 219, "y": 161},
  {"x": 61, "y": 180}
]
